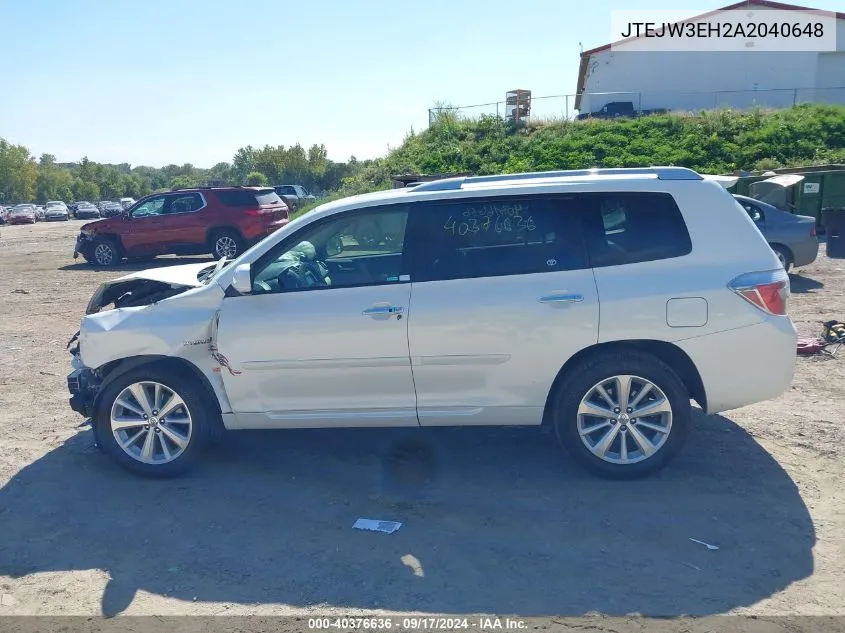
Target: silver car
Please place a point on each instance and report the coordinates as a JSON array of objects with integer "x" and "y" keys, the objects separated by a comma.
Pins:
[
  {"x": 792, "y": 237},
  {"x": 56, "y": 211}
]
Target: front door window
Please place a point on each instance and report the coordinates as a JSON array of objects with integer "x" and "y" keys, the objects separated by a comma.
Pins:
[{"x": 152, "y": 206}]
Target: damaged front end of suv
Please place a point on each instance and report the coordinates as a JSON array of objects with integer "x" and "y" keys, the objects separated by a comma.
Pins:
[{"x": 133, "y": 321}]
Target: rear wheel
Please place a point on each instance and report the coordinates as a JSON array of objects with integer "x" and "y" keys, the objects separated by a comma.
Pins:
[
  {"x": 226, "y": 243},
  {"x": 784, "y": 256},
  {"x": 153, "y": 422},
  {"x": 622, "y": 414},
  {"x": 105, "y": 252}
]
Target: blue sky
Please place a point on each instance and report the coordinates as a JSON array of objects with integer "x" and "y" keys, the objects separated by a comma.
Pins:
[{"x": 174, "y": 81}]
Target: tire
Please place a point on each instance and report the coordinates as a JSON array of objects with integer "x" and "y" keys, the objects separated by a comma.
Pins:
[
  {"x": 226, "y": 243},
  {"x": 105, "y": 252},
  {"x": 164, "y": 437},
  {"x": 580, "y": 387},
  {"x": 784, "y": 255}
]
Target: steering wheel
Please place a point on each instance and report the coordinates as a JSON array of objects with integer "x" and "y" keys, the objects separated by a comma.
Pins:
[
  {"x": 319, "y": 272},
  {"x": 304, "y": 274}
]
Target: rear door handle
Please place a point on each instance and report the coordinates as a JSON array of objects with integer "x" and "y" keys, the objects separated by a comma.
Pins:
[
  {"x": 562, "y": 298},
  {"x": 383, "y": 310}
]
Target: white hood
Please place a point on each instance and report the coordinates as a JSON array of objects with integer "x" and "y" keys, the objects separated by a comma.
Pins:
[
  {"x": 182, "y": 275},
  {"x": 167, "y": 281}
]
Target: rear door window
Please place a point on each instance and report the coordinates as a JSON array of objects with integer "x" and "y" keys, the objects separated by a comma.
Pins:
[
  {"x": 754, "y": 212},
  {"x": 632, "y": 227},
  {"x": 184, "y": 203},
  {"x": 491, "y": 237}
]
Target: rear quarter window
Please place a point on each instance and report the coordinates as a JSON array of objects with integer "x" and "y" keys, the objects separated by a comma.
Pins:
[
  {"x": 268, "y": 197},
  {"x": 632, "y": 227},
  {"x": 248, "y": 198}
]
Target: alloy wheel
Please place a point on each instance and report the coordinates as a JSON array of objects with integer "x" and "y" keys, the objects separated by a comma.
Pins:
[
  {"x": 151, "y": 423},
  {"x": 226, "y": 247},
  {"x": 624, "y": 419},
  {"x": 104, "y": 254}
]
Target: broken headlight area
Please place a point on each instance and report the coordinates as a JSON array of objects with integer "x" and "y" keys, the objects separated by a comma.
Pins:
[
  {"x": 132, "y": 293},
  {"x": 83, "y": 385}
]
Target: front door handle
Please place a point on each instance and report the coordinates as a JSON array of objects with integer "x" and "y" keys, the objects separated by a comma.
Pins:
[
  {"x": 383, "y": 310},
  {"x": 562, "y": 298}
]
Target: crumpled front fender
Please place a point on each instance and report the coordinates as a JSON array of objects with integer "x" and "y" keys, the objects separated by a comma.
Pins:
[{"x": 180, "y": 327}]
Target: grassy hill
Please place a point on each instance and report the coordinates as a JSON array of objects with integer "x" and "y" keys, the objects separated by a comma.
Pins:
[{"x": 710, "y": 142}]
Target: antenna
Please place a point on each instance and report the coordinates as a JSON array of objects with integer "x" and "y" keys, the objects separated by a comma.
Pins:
[{"x": 581, "y": 46}]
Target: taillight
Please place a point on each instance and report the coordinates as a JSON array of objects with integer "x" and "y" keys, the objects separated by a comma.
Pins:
[
  {"x": 265, "y": 211},
  {"x": 768, "y": 291},
  {"x": 813, "y": 229}
]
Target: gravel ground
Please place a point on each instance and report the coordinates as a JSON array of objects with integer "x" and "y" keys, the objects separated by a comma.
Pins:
[{"x": 495, "y": 521}]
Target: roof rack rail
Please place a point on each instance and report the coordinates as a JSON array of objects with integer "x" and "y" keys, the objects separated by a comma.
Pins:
[{"x": 662, "y": 173}]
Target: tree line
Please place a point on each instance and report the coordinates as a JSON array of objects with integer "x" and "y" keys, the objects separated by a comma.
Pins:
[
  {"x": 24, "y": 178},
  {"x": 718, "y": 141}
]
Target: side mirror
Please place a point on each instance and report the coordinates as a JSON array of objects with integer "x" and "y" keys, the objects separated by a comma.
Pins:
[
  {"x": 334, "y": 246},
  {"x": 242, "y": 279}
]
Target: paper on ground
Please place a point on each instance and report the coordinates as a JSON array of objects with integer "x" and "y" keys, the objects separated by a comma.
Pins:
[{"x": 374, "y": 525}]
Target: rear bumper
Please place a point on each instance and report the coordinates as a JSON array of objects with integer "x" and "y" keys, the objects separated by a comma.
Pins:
[
  {"x": 746, "y": 365},
  {"x": 805, "y": 253}
]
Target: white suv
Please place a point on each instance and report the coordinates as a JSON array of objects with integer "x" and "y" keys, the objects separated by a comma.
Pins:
[{"x": 597, "y": 302}]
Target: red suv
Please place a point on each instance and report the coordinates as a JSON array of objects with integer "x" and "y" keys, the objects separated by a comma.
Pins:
[{"x": 222, "y": 221}]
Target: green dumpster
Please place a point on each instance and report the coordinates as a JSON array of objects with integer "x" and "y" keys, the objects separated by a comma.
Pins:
[{"x": 801, "y": 190}]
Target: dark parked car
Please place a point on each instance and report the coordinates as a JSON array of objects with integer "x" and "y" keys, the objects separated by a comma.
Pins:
[
  {"x": 111, "y": 209},
  {"x": 86, "y": 210},
  {"x": 221, "y": 221},
  {"x": 617, "y": 109},
  {"x": 295, "y": 196},
  {"x": 792, "y": 237}
]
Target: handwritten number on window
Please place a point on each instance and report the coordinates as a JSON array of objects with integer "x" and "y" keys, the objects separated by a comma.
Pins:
[{"x": 501, "y": 218}]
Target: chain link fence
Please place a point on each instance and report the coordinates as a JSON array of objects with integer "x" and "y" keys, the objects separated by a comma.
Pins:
[{"x": 562, "y": 107}]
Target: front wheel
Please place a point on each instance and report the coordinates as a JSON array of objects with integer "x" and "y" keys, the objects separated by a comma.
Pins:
[
  {"x": 153, "y": 423},
  {"x": 105, "y": 252},
  {"x": 622, "y": 414}
]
